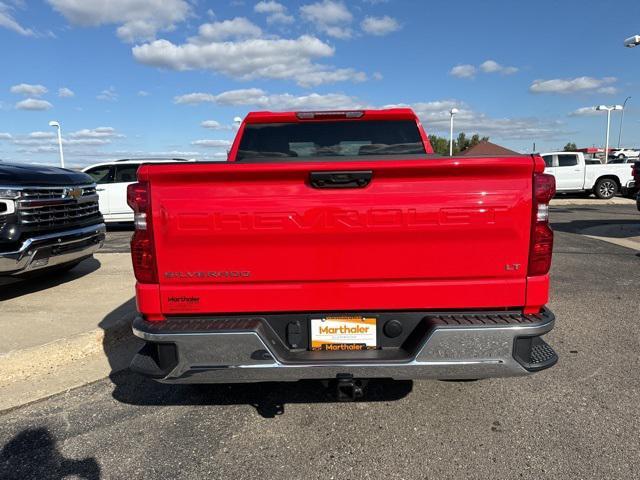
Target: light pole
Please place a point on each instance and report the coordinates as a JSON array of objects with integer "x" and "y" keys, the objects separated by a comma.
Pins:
[
  {"x": 608, "y": 109},
  {"x": 55, "y": 124},
  {"x": 452, "y": 112},
  {"x": 624, "y": 105}
]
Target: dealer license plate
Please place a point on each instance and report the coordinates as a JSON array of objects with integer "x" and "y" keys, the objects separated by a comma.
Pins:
[{"x": 343, "y": 333}]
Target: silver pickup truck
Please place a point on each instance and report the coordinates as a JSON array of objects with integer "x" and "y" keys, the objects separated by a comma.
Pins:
[{"x": 49, "y": 219}]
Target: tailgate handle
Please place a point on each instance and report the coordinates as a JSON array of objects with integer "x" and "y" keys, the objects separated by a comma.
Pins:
[{"x": 354, "y": 179}]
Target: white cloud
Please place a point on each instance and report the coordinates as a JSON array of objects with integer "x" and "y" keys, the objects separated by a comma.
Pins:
[
  {"x": 377, "y": 76},
  {"x": 280, "y": 18},
  {"x": 237, "y": 29},
  {"x": 211, "y": 143},
  {"x": 194, "y": 98},
  {"x": 463, "y": 71},
  {"x": 29, "y": 90},
  {"x": 256, "y": 97},
  {"x": 584, "y": 112},
  {"x": 41, "y": 134},
  {"x": 108, "y": 95},
  {"x": 8, "y": 21},
  {"x": 330, "y": 17},
  {"x": 434, "y": 114},
  {"x": 573, "y": 85},
  {"x": 269, "y": 7},
  {"x": 33, "y": 104},
  {"x": 380, "y": 25},
  {"x": 143, "y": 93},
  {"x": 435, "y": 118},
  {"x": 213, "y": 125},
  {"x": 99, "y": 132},
  {"x": 137, "y": 19},
  {"x": 276, "y": 12},
  {"x": 65, "y": 92},
  {"x": 40, "y": 141},
  {"x": 5, "y": 136},
  {"x": 491, "y": 66},
  {"x": 251, "y": 58}
]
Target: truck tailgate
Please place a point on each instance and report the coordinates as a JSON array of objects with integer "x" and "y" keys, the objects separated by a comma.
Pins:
[{"x": 442, "y": 233}]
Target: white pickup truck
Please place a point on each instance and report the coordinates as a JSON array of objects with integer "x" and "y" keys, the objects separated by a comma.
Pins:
[{"x": 574, "y": 174}]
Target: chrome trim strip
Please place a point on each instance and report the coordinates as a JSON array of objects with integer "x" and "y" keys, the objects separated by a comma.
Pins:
[
  {"x": 20, "y": 260},
  {"x": 25, "y": 203}
]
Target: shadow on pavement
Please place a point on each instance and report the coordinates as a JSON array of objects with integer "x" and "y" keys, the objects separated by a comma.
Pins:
[
  {"x": 567, "y": 196},
  {"x": 33, "y": 454},
  {"x": 42, "y": 281},
  {"x": 269, "y": 399},
  {"x": 606, "y": 228},
  {"x": 118, "y": 343},
  {"x": 120, "y": 227}
]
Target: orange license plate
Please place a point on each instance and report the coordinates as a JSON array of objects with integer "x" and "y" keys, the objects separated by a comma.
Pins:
[{"x": 344, "y": 333}]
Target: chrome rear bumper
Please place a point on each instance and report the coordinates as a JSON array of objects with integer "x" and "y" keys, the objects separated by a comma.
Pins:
[
  {"x": 246, "y": 352},
  {"x": 53, "y": 249}
]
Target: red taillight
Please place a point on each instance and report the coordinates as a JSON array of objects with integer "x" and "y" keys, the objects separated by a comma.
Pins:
[
  {"x": 142, "y": 249},
  {"x": 544, "y": 188},
  {"x": 138, "y": 196}
]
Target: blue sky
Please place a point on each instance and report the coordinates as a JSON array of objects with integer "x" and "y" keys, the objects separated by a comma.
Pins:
[{"x": 167, "y": 77}]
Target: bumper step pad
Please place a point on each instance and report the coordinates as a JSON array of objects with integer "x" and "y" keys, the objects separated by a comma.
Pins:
[{"x": 534, "y": 354}]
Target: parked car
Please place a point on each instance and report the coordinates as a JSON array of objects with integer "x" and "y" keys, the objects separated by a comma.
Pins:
[
  {"x": 112, "y": 179},
  {"x": 49, "y": 219},
  {"x": 573, "y": 174},
  {"x": 622, "y": 160},
  {"x": 336, "y": 245},
  {"x": 625, "y": 152}
]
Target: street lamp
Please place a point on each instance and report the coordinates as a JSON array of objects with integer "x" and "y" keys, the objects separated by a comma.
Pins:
[
  {"x": 624, "y": 105},
  {"x": 608, "y": 109},
  {"x": 633, "y": 41},
  {"x": 452, "y": 112},
  {"x": 55, "y": 124}
]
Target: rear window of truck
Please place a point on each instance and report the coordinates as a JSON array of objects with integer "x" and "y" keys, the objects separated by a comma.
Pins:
[{"x": 330, "y": 139}]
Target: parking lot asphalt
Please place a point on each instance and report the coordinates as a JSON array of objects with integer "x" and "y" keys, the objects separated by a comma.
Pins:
[{"x": 576, "y": 420}]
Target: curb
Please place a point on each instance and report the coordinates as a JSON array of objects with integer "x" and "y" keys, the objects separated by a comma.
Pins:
[
  {"x": 38, "y": 372},
  {"x": 559, "y": 201}
]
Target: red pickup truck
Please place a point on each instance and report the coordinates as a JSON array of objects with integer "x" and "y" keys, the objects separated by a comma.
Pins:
[{"x": 337, "y": 245}]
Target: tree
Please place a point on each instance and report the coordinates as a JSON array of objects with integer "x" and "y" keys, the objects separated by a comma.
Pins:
[
  {"x": 441, "y": 144},
  {"x": 570, "y": 147}
]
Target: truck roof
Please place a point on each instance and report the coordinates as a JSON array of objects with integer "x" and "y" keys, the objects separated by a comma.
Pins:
[{"x": 306, "y": 115}]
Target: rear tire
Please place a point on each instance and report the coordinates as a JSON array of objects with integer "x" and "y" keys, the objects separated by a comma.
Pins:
[
  {"x": 622, "y": 155},
  {"x": 605, "y": 188}
]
